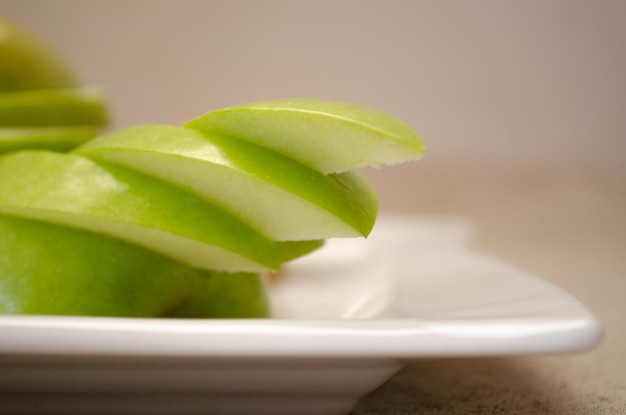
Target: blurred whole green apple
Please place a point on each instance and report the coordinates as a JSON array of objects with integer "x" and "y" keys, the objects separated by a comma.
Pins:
[
  {"x": 41, "y": 103},
  {"x": 29, "y": 63}
]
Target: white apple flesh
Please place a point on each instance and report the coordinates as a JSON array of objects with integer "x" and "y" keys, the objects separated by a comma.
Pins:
[
  {"x": 330, "y": 137},
  {"x": 283, "y": 199},
  {"x": 75, "y": 191}
]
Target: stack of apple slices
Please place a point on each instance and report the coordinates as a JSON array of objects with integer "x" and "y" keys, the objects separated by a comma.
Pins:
[
  {"x": 161, "y": 220},
  {"x": 41, "y": 104}
]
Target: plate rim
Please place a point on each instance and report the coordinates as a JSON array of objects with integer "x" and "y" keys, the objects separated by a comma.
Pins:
[
  {"x": 402, "y": 338},
  {"x": 573, "y": 328}
]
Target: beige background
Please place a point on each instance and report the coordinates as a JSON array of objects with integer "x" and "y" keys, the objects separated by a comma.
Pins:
[
  {"x": 536, "y": 82},
  {"x": 522, "y": 105}
]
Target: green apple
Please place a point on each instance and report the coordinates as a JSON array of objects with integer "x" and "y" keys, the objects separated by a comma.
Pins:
[
  {"x": 38, "y": 90},
  {"x": 52, "y": 107},
  {"x": 283, "y": 199},
  {"x": 52, "y": 138},
  {"x": 51, "y": 269},
  {"x": 72, "y": 190},
  {"x": 226, "y": 295},
  {"x": 330, "y": 137},
  {"x": 27, "y": 63},
  {"x": 56, "y": 119},
  {"x": 231, "y": 194}
]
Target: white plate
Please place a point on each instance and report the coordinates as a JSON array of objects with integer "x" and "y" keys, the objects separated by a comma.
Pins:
[{"x": 347, "y": 318}]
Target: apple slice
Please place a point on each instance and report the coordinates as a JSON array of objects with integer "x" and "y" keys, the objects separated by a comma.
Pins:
[
  {"x": 51, "y": 138},
  {"x": 28, "y": 63},
  {"x": 52, "y": 107},
  {"x": 330, "y": 137},
  {"x": 280, "y": 197},
  {"x": 226, "y": 295},
  {"x": 50, "y": 269},
  {"x": 75, "y": 191}
]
